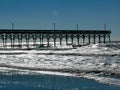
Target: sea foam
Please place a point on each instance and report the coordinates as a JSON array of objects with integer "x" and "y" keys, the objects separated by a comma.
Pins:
[{"x": 100, "y": 62}]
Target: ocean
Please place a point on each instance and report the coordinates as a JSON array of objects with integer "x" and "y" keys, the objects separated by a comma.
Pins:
[{"x": 91, "y": 67}]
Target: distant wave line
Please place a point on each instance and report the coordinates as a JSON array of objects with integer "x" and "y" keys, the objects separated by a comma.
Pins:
[
  {"x": 62, "y": 54},
  {"x": 63, "y": 70}
]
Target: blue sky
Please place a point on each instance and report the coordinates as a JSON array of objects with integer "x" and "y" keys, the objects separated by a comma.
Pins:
[{"x": 40, "y": 14}]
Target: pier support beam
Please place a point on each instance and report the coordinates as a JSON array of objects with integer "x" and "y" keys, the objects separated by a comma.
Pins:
[
  {"x": 99, "y": 38},
  {"x": 89, "y": 39},
  {"x": 42, "y": 41},
  {"x": 72, "y": 40},
  {"x": 60, "y": 41},
  {"x": 20, "y": 42},
  {"x": 41, "y": 37},
  {"x": 109, "y": 38},
  {"x": 19, "y": 37},
  {"x": 4, "y": 42},
  {"x": 66, "y": 40},
  {"x": 78, "y": 40},
  {"x": 94, "y": 37},
  {"x": 12, "y": 42},
  {"x": 83, "y": 37},
  {"x": 54, "y": 42},
  {"x": 104, "y": 38},
  {"x": 34, "y": 41},
  {"x": 27, "y": 42},
  {"x": 48, "y": 40}
]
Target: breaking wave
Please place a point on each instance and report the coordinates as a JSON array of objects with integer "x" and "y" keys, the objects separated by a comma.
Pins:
[{"x": 100, "y": 62}]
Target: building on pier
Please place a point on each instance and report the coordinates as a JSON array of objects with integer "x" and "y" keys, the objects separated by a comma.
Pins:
[{"x": 81, "y": 37}]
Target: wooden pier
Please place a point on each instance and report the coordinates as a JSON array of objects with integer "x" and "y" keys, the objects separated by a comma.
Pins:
[{"x": 81, "y": 37}]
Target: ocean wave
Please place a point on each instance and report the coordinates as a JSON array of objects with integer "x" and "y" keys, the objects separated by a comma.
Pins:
[
  {"x": 62, "y": 54},
  {"x": 100, "y": 62},
  {"x": 105, "y": 77},
  {"x": 64, "y": 70}
]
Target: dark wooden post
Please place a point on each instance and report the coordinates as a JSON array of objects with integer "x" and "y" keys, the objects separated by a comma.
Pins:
[
  {"x": 4, "y": 38},
  {"x": 13, "y": 42},
  {"x": 72, "y": 40},
  {"x": 48, "y": 40},
  {"x": 3, "y": 42},
  {"x": 89, "y": 38},
  {"x": 78, "y": 40},
  {"x": 83, "y": 37},
  {"x": 54, "y": 36},
  {"x": 66, "y": 39},
  {"x": 34, "y": 36},
  {"x": 34, "y": 41},
  {"x": 20, "y": 40},
  {"x": 54, "y": 41},
  {"x": 27, "y": 40},
  {"x": 40, "y": 39},
  {"x": 94, "y": 38},
  {"x": 99, "y": 38},
  {"x": 109, "y": 38},
  {"x": 60, "y": 41},
  {"x": 104, "y": 38}
]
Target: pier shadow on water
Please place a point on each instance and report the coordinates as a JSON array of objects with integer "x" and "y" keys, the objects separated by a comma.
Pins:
[{"x": 50, "y": 82}]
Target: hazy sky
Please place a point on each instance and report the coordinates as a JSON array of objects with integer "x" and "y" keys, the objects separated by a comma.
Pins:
[{"x": 40, "y": 14}]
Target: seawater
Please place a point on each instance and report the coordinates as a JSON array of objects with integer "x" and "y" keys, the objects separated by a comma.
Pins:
[
  {"x": 50, "y": 82},
  {"x": 92, "y": 67}
]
